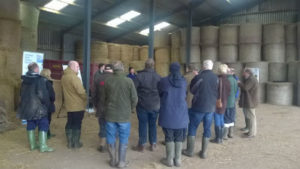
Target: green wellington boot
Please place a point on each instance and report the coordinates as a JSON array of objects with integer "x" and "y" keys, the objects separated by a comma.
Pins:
[
  {"x": 43, "y": 142},
  {"x": 31, "y": 140},
  {"x": 178, "y": 149},
  {"x": 189, "y": 147},
  {"x": 69, "y": 138},
  {"x": 76, "y": 138},
  {"x": 204, "y": 147},
  {"x": 170, "y": 152}
]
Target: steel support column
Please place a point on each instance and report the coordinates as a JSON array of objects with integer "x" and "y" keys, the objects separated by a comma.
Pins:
[
  {"x": 151, "y": 29},
  {"x": 87, "y": 45},
  {"x": 188, "y": 34}
]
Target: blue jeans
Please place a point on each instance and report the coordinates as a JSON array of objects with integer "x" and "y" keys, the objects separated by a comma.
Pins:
[
  {"x": 43, "y": 124},
  {"x": 219, "y": 119},
  {"x": 147, "y": 121},
  {"x": 102, "y": 131},
  {"x": 114, "y": 128},
  {"x": 196, "y": 118}
]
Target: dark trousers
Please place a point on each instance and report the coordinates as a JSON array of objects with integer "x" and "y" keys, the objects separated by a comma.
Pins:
[
  {"x": 42, "y": 124},
  {"x": 74, "y": 120},
  {"x": 174, "y": 135},
  {"x": 102, "y": 130},
  {"x": 147, "y": 121}
]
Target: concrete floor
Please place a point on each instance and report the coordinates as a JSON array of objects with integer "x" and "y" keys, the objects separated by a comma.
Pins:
[{"x": 275, "y": 147}]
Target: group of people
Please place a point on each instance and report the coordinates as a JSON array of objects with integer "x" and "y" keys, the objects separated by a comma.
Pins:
[{"x": 178, "y": 102}]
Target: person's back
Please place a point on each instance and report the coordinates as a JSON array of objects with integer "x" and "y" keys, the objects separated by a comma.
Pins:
[{"x": 234, "y": 89}]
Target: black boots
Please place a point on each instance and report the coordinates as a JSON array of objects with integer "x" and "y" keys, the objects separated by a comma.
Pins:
[
  {"x": 219, "y": 135},
  {"x": 73, "y": 138},
  {"x": 69, "y": 135}
]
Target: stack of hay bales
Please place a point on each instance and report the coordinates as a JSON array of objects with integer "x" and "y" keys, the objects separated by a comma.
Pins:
[
  {"x": 144, "y": 53},
  {"x": 175, "y": 49},
  {"x": 135, "y": 53},
  {"x": 162, "y": 60},
  {"x": 228, "y": 43},
  {"x": 114, "y": 51},
  {"x": 291, "y": 42},
  {"x": 99, "y": 52},
  {"x": 126, "y": 55},
  {"x": 209, "y": 38}
]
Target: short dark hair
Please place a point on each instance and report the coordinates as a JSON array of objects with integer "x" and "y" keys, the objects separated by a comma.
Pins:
[
  {"x": 32, "y": 66},
  {"x": 129, "y": 69},
  {"x": 100, "y": 65},
  {"x": 108, "y": 67}
]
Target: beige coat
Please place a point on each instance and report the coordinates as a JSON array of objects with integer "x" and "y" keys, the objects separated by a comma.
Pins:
[{"x": 74, "y": 95}]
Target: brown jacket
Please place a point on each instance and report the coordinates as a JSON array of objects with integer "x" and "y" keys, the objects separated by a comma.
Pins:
[
  {"x": 74, "y": 95},
  {"x": 224, "y": 92},
  {"x": 249, "y": 93},
  {"x": 189, "y": 76}
]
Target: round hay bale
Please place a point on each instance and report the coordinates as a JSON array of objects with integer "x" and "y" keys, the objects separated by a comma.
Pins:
[
  {"x": 99, "y": 50},
  {"x": 126, "y": 53},
  {"x": 7, "y": 95},
  {"x": 161, "y": 39},
  {"x": 280, "y": 93},
  {"x": 136, "y": 53},
  {"x": 273, "y": 33},
  {"x": 278, "y": 72},
  {"x": 238, "y": 68},
  {"x": 209, "y": 52},
  {"x": 216, "y": 67},
  {"x": 250, "y": 52},
  {"x": 262, "y": 92},
  {"x": 293, "y": 68},
  {"x": 29, "y": 16},
  {"x": 144, "y": 53},
  {"x": 195, "y": 36},
  {"x": 263, "y": 70},
  {"x": 10, "y": 9},
  {"x": 10, "y": 34},
  {"x": 162, "y": 69},
  {"x": 298, "y": 40},
  {"x": 29, "y": 40},
  {"x": 114, "y": 51},
  {"x": 291, "y": 33},
  {"x": 175, "y": 55},
  {"x": 250, "y": 33},
  {"x": 100, "y": 60},
  {"x": 14, "y": 57},
  {"x": 291, "y": 52},
  {"x": 162, "y": 55},
  {"x": 3, "y": 56},
  {"x": 228, "y": 53},
  {"x": 137, "y": 65},
  {"x": 175, "y": 39},
  {"x": 209, "y": 35},
  {"x": 195, "y": 54},
  {"x": 228, "y": 34},
  {"x": 274, "y": 52}
]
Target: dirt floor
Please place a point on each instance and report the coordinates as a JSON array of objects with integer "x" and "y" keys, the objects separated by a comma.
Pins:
[{"x": 275, "y": 147}]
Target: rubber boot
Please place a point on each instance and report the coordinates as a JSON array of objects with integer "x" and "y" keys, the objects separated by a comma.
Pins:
[
  {"x": 230, "y": 133},
  {"x": 112, "y": 154},
  {"x": 218, "y": 133},
  {"x": 31, "y": 140},
  {"x": 221, "y": 134},
  {"x": 246, "y": 129},
  {"x": 43, "y": 142},
  {"x": 76, "y": 138},
  {"x": 102, "y": 148},
  {"x": 170, "y": 152},
  {"x": 122, "y": 156},
  {"x": 178, "y": 149},
  {"x": 225, "y": 133},
  {"x": 69, "y": 135},
  {"x": 202, "y": 153},
  {"x": 190, "y": 146}
]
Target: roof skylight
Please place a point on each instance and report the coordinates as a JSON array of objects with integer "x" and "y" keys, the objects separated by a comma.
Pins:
[
  {"x": 157, "y": 27},
  {"x": 58, "y": 5},
  {"x": 123, "y": 18}
]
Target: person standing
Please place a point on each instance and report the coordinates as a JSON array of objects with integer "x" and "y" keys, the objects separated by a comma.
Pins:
[
  {"x": 74, "y": 100},
  {"x": 131, "y": 74},
  {"x": 34, "y": 107},
  {"x": 249, "y": 101},
  {"x": 148, "y": 105},
  {"x": 46, "y": 73},
  {"x": 229, "y": 116},
  {"x": 120, "y": 99},
  {"x": 204, "y": 87},
  {"x": 223, "y": 93},
  {"x": 173, "y": 114},
  {"x": 192, "y": 72}
]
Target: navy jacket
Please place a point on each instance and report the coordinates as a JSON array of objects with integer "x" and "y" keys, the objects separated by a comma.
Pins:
[
  {"x": 146, "y": 84},
  {"x": 173, "y": 113},
  {"x": 49, "y": 86},
  {"x": 204, "y": 87}
]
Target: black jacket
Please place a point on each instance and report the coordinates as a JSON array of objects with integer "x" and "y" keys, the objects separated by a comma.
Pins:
[
  {"x": 204, "y": 87},
  {"x": 146, "y": 83},
  {"x": 49, "y": 86},
  {"x": 35, "y": 98}
]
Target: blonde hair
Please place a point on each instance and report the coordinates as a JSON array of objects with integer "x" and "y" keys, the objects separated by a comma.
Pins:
[
  {"x": 46, "y": 73},
  {"x": 223, "y": 69}
]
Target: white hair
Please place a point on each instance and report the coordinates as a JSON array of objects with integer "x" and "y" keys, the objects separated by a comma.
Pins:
[{"x": 208, "y": 64}]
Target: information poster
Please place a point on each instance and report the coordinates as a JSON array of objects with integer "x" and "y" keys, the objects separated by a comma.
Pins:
[{"x": 29, "y": 57}]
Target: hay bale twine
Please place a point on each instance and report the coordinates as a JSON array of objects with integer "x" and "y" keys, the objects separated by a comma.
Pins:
[
  {"x": 114, "y": 51},
  {"x": 263, "y": 70},
  {"x": 216, "y": 67},
  {"x": 291, "y": 52},
  {"x": 280, "y": 93},
  {"x": 274, "y": 52},
  {"x": 137, "y": 65},
  {"x": 162, "y": 55},
  {"x": 7, "y": 94},
  {"x": 228, "y": 34},
  {"x": 126, "y": 53},
  {"x": 136, "y": 53},
  {"x": 277, "y": 72},
  {"x": 29, "y": 16},
  {"x": 290, "y": 33},
  {"x": 162, "y": 69},
  {"x": 209, "y": 52},
  {"x": 273, "y": 33},
  {"x": 262, "y": 92},
  {"x": 10, "y": 9},
  {"x": 175, "y": 39},
  {"x": 250, "y": 52},
  {"x": 144, "y": 53},
  {"x": 250, "y": 33},
  {"x": 175, "y": 55},
  {"x": 238, "y": 68},
  {"x": 161, "y": 39},
  {"x": 209, "y": 35},
  {"x": 228, "y": 53},
  {"x": 10, "y": 34},
  {"x": 195, "y": 36}
]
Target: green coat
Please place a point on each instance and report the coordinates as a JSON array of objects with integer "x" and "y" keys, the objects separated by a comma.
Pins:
[
  {"x": 120, "y": 98},
  {"x": 234, "y": 88}
]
